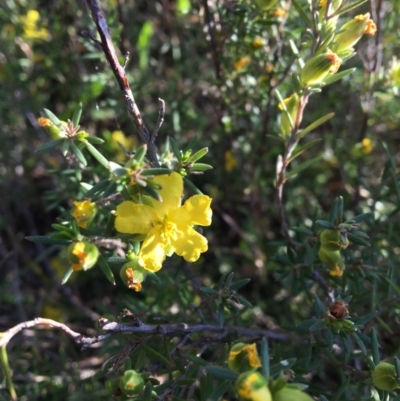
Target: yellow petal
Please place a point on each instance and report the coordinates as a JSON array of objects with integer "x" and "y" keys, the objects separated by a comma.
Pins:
[
  {"x": 196, "y": 211},
  {"x": 152, "y": 253},
  {"x": 135, "y": 219},
  {"x": 189, "y": 244},
  {"x": 171, "y": 193}
]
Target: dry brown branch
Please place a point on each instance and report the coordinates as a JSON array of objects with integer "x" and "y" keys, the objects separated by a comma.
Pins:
[{"x": 119, "y": 73}]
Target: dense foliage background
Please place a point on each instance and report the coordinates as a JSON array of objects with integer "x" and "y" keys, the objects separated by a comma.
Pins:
[{"x": 216, "y": 65}]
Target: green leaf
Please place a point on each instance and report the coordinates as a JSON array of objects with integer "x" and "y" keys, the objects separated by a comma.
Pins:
[
  {"x": 325, "y": 224},
  {"x": 302, "y": 167},
  {"x": 348, "y": 8},
  {"x": 192, "y": 186},
  {"x": 140, "y": 153},
  {"x": 338, "y": 76},
  {"x": 52, "y": 117},
  {"x": 340, "y": 208},
  {"x": 340, "y": 390},
  {"x": 222, "y": 373},
  {"x": 302, "y": 13},
  {"x": 95, "y": 140},
  {"x": 357, "y": 240},
  {"x": 106, "y": 269},
  {"x": 200, "y": 167},
  {"x": 183, "y": 6},
  {"x": 155, "y": 355},
  {"x": 239, "y": 284},
  {"x": 77, "y": 114},
  {"x": 265, "y": 357},
  {"x": 375, "y": 347},
  {"x": 96, "y": 154},
  {"x": 362, "y": 217},
  {"x": 243, "y": 301},
  {"x": 221, "y": 314},
  {"x": 209, "y": 291},
  {"x": 198, "y": 155},
  {"x": 96, "y": 188},
  {"x": 300, "y": 149},
  {"x": 333, "y": 212},
  {"x": 220, "y": 391},
  {"x": 196, "y": 360},
  {"x": 314, "y": 125},
  {"x": 46, "y": 240},
  {"x": 156, "y": 171},
  {"x": 78, "y": 153},
  {"x": 66, "y": 276},
  {"x": 360, "y": 343},
  {"x": 50, "y": 145}
]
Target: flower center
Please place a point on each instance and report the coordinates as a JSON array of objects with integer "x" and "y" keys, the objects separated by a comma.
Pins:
[{"x": 169, "y": 231}]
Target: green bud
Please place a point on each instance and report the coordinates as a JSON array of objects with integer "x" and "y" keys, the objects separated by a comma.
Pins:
[
  {"x": 132, "y": 383},
  {"x": 291, "y": 393},
  {"x": 54, "y": 131},
  {"x": 352, "y": 31},
  {"x": 252, "y": 386},
  {"x": 384, "y": 377},
  {"x": 318, "y": 68},
  {"x": 82, "y": 255},
  {"x": 333, "y": 260},
  {"x": 330, "y": 240}
]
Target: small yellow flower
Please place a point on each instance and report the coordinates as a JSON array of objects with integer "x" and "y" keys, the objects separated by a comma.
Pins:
[
  {"x": 230, "y": 161},
  {"x": 132, "y": 274},
  {"x": 83, "y": 212},
  {"x": 44, "y": 122},
  {"x": 242, "y": 63},
  {"x": 30, "y": 26},
  {"x": 366, "y": 146},
  {"x": 168, "y": 226},
  {"x": 279, "y": 13},
  {"x": 257, "y": 43}
]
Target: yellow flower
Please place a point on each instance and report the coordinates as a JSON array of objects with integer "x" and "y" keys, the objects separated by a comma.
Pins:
[
  {"x": 279, "y": 13},
  {"x": 243, "y": 357},
  {"x": 83, "y": 212},
  {"x": 241, "y": 63},
  {"x": 257, "y": 43},
  {"x": 30, "y": 26},
  {"x": 366, "y": 146},
  {"x": 230, "y": 161},
  {"x": 168, "y": 225}
]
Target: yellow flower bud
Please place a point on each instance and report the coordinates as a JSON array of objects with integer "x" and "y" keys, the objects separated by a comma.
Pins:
[
  {"x": 333, "y": 260},
  {"x": 352, "y": 31},
  {"x": 289, "y": 393},
  {"x": 132, "y": 274},
  {"x": 242, "y": 63},
  {"x": 330, "y": 241},
  {"x": 82, "y": 255},
  {"x": 83, "y": 212},
  {"x": 54, "y": 131},
  {"x": 384, "y": 377},
  {"x": 292, "y": 106},
  {"x": 317, "y": 68},
  {"x": 252, "y": 386},
  {"x": 257, "y": 43},
  {"x": 132, "y": 383},
  {"x": 243, "y": 357}
]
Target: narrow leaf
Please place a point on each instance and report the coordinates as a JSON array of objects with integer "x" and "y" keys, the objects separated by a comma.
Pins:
[
  {"x": 357, "y": 240},
  {"x": 300, "y": 149},
  {"x": 46, "y": 240},
  {"x": 325, "y": 224},
  {"x": 239, "y": 284},
  {"x": 78, "y": 153},
  {"x": 66, "y": 276},
  {"x": 302, "y": 167},
  {"x": 350, "y": 7},
  {"x": 175, "y": 149},
  {"x": 96, "y": 154},
  {"x": 265, "y": 357},
  {"x": 314, "y": 125},
  {"x": 95, "y": 140},
  {"x": 106, "y": 269},
  {"x": 50, "y": 145},
  {"x": 302, "y": 13},
  {"x": 52, "y": 117},
  {"x": 222, "y": 373},
  {"x": 338, "y": 76},
  {"x": 77, "y": 115},
  {"x": 155, "y": 355},
  {"x": 375, "y": 347}
]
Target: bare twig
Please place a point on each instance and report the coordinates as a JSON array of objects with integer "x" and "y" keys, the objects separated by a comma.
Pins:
[
  {"x": 138, "y": 327},
  {"x": 119, "y": 73}
]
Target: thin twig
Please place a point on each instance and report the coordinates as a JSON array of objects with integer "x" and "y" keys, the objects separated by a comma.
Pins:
[
  {"x": 119, "y": 73},
  {"x": 161, "y": 113}
]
